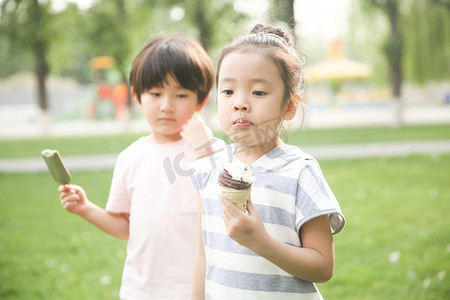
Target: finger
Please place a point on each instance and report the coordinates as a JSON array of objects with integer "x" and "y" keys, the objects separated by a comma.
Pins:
[
  {"x": 71, "y": 197},
  {"x": 69, "y": 205},
  {"x": 230, "y": 207},
  {"x": 250, "y": 207},
  {"x": 64, "y": 188},
  {"x": 66, "y": 194}
]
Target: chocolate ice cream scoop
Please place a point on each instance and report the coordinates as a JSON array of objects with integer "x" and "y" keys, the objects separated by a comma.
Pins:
[{"x": 227, "y": 180}]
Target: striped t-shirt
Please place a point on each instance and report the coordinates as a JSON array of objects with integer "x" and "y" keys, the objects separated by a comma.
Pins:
[{"x": 289, "y": 190}]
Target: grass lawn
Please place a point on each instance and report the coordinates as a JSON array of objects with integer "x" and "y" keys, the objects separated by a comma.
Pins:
[
  {"x": 116, "y": 143},
  {"x": 396, "y": 243}
]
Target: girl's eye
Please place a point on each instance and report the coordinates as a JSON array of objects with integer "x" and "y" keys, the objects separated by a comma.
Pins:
[
  {"x": 259, "y": 93},
  {"x": 227, "y": 92}
]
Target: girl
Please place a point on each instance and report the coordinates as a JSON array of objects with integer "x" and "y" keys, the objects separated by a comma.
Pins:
[
  {"x": 283, "y": 244},
  {"x": 152, "y": 204}
]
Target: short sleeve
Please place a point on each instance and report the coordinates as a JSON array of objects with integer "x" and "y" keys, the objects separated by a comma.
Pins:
[
  {"x": 315, "y": 198},
  {"x": 118, "y": 200}
]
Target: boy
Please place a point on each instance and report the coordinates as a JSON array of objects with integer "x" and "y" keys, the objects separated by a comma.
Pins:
[{"x": 157, "y": 213}]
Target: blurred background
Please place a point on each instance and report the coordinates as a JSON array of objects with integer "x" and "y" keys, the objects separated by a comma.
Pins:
[
  {"x": 377, "y": 119},
  {"x": 65, "y": 64}
]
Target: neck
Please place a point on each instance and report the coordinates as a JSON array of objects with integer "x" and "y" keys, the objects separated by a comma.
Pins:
[
  {"x": 162, "y": 139},
  {"x": 251, "y": 153}
]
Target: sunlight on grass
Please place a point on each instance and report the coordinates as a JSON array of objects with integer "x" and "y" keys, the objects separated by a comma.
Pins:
[{"x": 395, "y": 245}]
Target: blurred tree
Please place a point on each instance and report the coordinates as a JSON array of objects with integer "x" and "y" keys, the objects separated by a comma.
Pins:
[
  {"x": 106, "y": 33},
  {"x": 420, "y": 53},
  {"x": 283, "y": 10},
  {"x": 427, "y": 41},
  {"x": 27, "y": 26},
  {"x": 216, "y": 21}
]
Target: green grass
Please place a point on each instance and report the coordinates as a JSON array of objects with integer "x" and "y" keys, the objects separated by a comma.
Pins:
[
  {"x": 116, "y": 143},
  {"x": 48, "y": 253},
  {"x": 392, "y": 205}
]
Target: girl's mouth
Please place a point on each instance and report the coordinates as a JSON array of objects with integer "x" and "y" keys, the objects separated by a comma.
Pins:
[{"x": 242, "y": 123}]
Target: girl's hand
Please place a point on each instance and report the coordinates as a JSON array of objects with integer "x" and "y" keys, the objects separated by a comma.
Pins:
[
  {"x": 73, "y": 198},
  {"x": 198, "y": 135},
  {"x": 246, "y": 229}
]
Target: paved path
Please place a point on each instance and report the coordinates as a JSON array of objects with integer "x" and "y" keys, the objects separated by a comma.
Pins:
[{"x": 344, "y": 151}]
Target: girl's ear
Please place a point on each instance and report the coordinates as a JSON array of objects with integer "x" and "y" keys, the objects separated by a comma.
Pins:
[
  {"x": 200, "y": 106},
  {"x": 291, "y": 110},
  {"x": 134, "y": 96}
]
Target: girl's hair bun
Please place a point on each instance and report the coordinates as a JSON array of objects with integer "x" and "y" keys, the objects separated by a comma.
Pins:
[{"x": 259, "y": 28}]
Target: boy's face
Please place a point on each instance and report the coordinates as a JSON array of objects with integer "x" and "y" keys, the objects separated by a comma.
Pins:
[{"x": 167, "y": 108}]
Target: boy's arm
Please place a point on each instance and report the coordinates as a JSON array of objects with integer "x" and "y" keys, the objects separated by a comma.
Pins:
[
  {"x": 74, "y": 199},
  {"x": 314, "y": 261},
  {"x": 198, "y": 135},
  {"x": 199, "y": 270}
]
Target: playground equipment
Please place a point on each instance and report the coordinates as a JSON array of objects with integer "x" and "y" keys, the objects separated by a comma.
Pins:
[{"x": 110, "y": 96}]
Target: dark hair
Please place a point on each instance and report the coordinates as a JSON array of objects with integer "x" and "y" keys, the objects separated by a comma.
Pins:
[
  {"x": 180, "y": 57},
  {"x": 274, "y": 44}
]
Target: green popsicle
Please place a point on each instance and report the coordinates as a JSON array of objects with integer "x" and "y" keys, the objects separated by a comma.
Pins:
[{"x": 56, "y": 166}]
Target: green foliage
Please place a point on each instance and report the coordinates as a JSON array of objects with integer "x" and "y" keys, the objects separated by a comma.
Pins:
[
  {"x": 425, "y": 34},
  {"x": 116, "y": 28},
  {"x": 427, "y": 42}
]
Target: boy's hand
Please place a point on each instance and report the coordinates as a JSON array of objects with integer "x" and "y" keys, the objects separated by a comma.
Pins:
[
  {"x": 73, "y": 198},
  {"x": 198, "y": 135},
  {"x": 246, "y": 229}
]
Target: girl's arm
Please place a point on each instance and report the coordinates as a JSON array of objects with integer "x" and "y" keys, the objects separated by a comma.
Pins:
[
  {"x": 74, "y": 199},
  {"x": 313, "y": 262},
  {"x": 199, "y": 270}
]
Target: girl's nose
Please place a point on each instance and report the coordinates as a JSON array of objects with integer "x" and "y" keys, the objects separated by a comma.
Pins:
[{"x": 241, "y": 106}]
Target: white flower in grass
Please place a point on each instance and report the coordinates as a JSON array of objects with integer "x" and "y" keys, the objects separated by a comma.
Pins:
[
  {"x": 394, "y": 256},
  {"x": 105, "y": 280},
  {"x": 50, "y": 263},
  {"x": 441, "y": 275},
  {"x": 434, "y": 193},
  {"x": 426, "y": 282},
  {"x": 63, "y": 267}
]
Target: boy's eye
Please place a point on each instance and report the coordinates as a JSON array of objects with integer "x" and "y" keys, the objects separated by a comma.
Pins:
[
  {"x": 259, "y": 93},
  {"x": 154, "y": 94},
  {"x": 182, "y": 95}
]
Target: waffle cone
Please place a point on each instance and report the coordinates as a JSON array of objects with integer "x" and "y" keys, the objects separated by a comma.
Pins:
[{"x": 238, "y": 197}]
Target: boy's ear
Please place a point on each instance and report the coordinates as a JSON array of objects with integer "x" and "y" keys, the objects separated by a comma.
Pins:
[
  {"x": 291, "y": 110},
  {"x": 200, "y": 106},
  {"x": 134, "y": 96}
]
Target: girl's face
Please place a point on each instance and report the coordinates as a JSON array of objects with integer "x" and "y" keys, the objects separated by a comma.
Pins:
[
  {"x": 167, "y": 108},
  {"x": 250, "y": 100}
]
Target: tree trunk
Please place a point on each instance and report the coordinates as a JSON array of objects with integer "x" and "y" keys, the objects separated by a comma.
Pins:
[
  {"x": 41, "y": 66},
  {"x": 202, "y": 24},
  {"x": 41, "y": 74},
  {"x": 394, "y": 50},
  {"x": 291, "y": 19}
]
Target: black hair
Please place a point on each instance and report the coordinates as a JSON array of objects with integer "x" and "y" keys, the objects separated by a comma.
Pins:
[{"x": 182, "y": 58}]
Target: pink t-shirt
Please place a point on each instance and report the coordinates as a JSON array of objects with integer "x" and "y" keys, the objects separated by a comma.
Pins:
[{"x": 151, "y": 182}]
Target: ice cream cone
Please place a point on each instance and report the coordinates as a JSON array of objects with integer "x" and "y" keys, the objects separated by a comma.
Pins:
[
  {"x": 238, "y": 197},
  {"x": 235, "y": 181}
]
